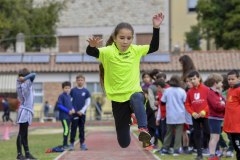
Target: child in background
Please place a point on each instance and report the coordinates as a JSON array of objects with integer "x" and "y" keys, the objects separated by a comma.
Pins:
[
  {"x": 81, "y": 99},
  {"x": 121, "y": 60},
  {"x": 161, "y": 114},
  {"x": 231, "y": 123},
  {"x": 188, "y": 139},
  {"x": 227, "y": 149},
  {"x": 150, "y": 120},
  {"x": 196, "y": 105},
  {"x": 147, "y": 80},
  {"x": 65, "y": 111},
  {"x": 216, "y": 103},
  {"x": 6, "y": 111},
  {"x": 25, "y": 112},
  {"x": 174, "y": 98}
]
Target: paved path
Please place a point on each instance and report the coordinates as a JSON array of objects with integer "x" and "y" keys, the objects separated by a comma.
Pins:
[{"x": 103, "y": 145}]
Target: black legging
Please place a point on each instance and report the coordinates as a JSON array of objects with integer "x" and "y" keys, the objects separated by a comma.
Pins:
[
  {"x": 22, "y": 138},
  {"x": 122, "y": 113}
]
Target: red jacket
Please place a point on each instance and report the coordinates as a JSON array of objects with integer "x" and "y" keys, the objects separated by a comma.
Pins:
[
  {"x": 232, "y": 111},
  {"x": 197, "y": 99},
  {"x": 162, "y": 107},
  {"x": 216, "y": 109}
]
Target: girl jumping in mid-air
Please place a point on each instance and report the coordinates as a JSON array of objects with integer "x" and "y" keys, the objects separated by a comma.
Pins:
[{"x": 121, "y": 62}]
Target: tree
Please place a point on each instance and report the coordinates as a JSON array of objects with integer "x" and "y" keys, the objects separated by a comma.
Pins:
[
  {"x": 193, "y": 37},
  {"x": 37, "y": 22},
  {"x": 219, "y": 21}
]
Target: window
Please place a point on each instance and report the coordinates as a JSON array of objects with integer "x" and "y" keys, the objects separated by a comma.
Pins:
[
  {"x": 143, "y": 38},
  {"x": 68, "y": 44},
  {"x": 94, "y": 87},
  {"x": 38, "y": 92},
  {"x": 192, "y": 5}
]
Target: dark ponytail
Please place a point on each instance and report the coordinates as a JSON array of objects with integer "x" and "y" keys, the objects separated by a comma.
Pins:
[{"x": 110, "y": 40}]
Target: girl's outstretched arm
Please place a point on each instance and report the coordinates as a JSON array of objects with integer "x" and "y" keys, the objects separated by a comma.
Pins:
[
  {"x": 93, "y": 43},
  {"x": 157, "y": 21}
]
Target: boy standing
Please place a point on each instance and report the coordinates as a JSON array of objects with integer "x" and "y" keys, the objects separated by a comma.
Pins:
[
  {"x": 196, "y": 105},
  {"x": 80, "y": 100},
  {"x": 232, "y": 111},
  {"x": 65, "y": 110}
]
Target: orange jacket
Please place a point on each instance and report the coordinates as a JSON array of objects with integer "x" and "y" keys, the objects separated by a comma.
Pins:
[{"x": 232, "y": 111}]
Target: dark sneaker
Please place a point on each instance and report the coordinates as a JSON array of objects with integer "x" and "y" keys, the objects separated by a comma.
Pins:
[
  {"x": 66, "y": 147},
  {"x": 146, "y": 144},
  {"x": 176, "y": 152},
  {"x": 187, "y": 151},
  {"x": 199, "y": 158},
  {"x": 205, "y": 152},
  {"x": 144, "y": 136},
  {"x": 164, "y": 151},
  {"x": 30, "y": 157},
  {"x": 83, "y": 147},
  {"x": 20, "y": 157}
]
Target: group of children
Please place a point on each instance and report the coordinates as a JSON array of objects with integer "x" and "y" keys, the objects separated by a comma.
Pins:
[
  {"x": 189, "y": 105},
  {"x": 72, "y": 104},
  {"x": 184, "y": 103}
]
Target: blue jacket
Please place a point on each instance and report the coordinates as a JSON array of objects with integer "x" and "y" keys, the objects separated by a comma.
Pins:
[{"x": 64, "y": 105}]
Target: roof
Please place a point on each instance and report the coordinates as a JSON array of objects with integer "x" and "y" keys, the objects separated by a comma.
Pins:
[
  {"x": 203, "y": 60},
  {"x": 8, "y": 83}
]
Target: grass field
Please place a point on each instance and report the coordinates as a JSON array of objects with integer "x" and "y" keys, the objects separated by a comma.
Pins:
[{"x": 37, "y": 144}]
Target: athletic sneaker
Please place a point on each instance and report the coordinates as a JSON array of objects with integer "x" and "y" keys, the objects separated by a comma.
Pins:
[
  {"x": 164, "y": 151},
  {"x": 205, "y": 152},
  {"x": 199, "y": 158},
  {"x": 30, "y": 157},
  {"x": 214, "y": 158},
  {"x": 219, "y": 153},
  {"x": 149, "y": 148},
  {"x": 20, "y": 157},
  {"x": 83, "y": 147},
  {"x": 187, "y": 151},
  {"x": 71, "y": 147},
  {"x": 176, "y": 152},
  {"x": 144, "y": 136},
  {"x": 66, "y": 147},
  {"x": 229, "y": 154}
]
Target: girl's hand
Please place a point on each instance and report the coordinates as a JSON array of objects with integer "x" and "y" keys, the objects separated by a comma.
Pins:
[
  {"x": 157, "y": 20},
  {"x": 94, "y": 41}
]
